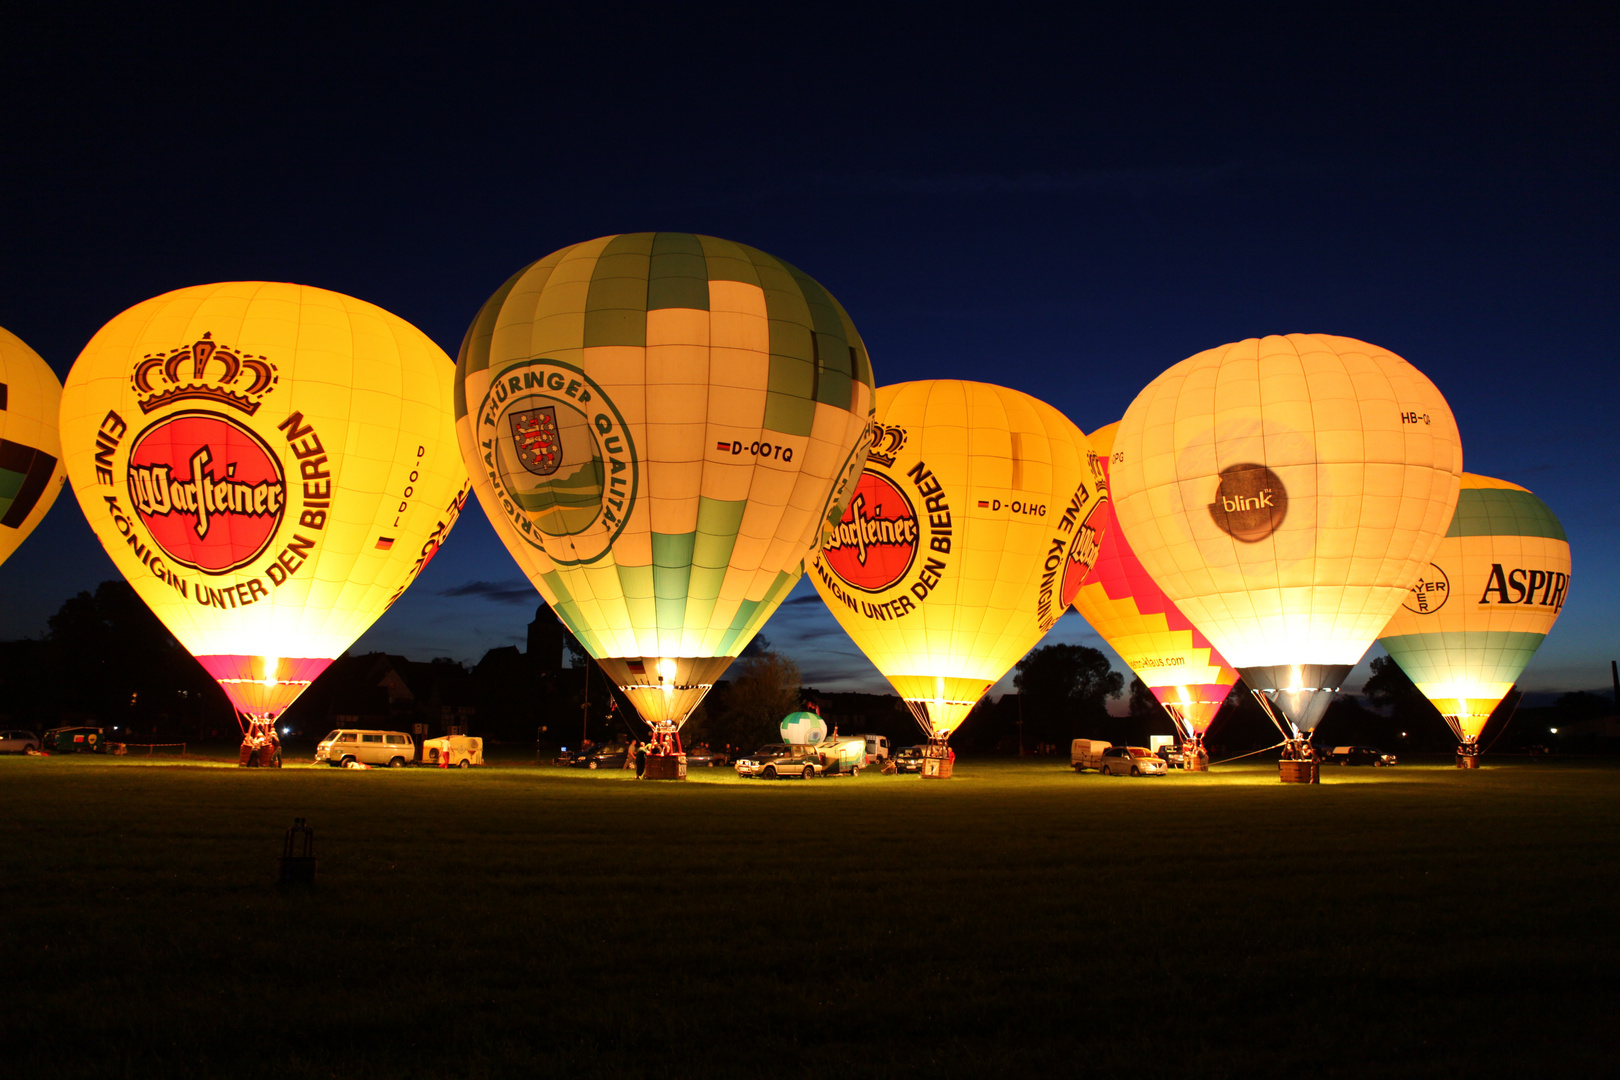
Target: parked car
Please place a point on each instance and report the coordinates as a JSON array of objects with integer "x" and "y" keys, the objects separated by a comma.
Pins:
[
  {"x": 1132, "y": 761},
  {"x": 908, "y": 759},
  {"x": 344, "y": 745},
  {"x": 606, "y": 756},
  {"x": 754, "y": 764},
  {"x": 1087, "y": 754},
  {"x": 701, "y": 757},
  {"x": 1359, "y": 755},
  {"x": 76, "y": 740},
  {"x": 805, "y": 762},
  {"x": 1172, "y": 755},
  {"x": 18, "y": 742}
]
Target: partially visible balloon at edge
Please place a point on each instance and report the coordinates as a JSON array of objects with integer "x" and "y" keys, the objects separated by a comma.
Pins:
[{"x": 31, "y": 468}]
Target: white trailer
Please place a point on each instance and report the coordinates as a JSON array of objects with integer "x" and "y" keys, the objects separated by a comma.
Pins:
[{"x": 1087, "y": 754}]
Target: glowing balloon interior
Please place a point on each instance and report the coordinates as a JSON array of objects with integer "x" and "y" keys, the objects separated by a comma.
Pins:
[
  {"x": 270, "y": 465},
  {"x": 660, "y": 425},
  {"x": 977, "y": 517},
  {"x": 1484, "y": 604},
  {"x": 1187, "y": 674},
  {"x": 31, "y": 469},
  {"x": 1284, "y": 492}
]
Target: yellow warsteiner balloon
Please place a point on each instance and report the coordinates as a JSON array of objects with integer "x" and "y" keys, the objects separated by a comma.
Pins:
[
  {"x": 1285, "y": 492},
  {"x": 269, "y": 465},
  {"x": 660, "y": 425},
  {"x": 978, "y": 515},
  {"x": 31, "y": 471},
  {"x": 1483, "y": 605}
]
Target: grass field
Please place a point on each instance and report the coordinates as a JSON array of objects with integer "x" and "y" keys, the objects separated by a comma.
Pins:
[{"x": 1018, "y": 920}]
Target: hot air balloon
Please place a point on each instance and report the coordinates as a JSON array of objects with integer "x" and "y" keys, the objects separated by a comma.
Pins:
[
  {"x": 31, "y": 471},
  {"x": 270, "y": 465},
  {"x": 660, "y": 425},
  {"x": 978, "y": 512},
  {"x": 1481, "y": 608},
  {"x": 803, "y": 728},
  {"x": 1284, "y": 492},
  {"x": 1187, "y": 674}
]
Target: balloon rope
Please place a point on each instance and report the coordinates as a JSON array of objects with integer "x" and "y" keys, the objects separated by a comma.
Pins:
[{"x": 1251, "y": 753}]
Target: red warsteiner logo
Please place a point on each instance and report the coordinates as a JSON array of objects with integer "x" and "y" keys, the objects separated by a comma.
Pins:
[
  {"x": 1082, "y": 553},
  {"x": 209, "y": 491},
  {"x": 873, "y": 544}
]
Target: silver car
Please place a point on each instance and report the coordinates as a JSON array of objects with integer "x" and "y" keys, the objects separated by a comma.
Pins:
[
  {"x": 18, "y": 742},
  {"x": 1132, "y": 761}
]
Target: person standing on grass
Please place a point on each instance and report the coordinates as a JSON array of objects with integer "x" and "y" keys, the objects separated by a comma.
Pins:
[
  {"x": 641, "y": 761},
  {"x": 629, "y": 758}
]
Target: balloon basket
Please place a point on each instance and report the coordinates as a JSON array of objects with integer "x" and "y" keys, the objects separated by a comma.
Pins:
[
  {"x": 1197, "y": 761},
  {"x": 1467, "y": 761},
  {"x": 1300, "y": 772},
  {"x": 665, "y": 767},
  {"x": 251, "y": 756},
  {"x": 937, "y": 768}
]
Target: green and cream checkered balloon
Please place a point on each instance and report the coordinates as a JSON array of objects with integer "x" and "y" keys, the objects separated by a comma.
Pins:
[{"x": 660, "y": 425}]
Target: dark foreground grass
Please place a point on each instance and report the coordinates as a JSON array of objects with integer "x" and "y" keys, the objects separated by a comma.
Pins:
[{"x": 1019, "y": 920}]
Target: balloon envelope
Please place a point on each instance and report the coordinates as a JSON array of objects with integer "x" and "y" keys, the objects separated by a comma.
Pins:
[
  {"x": 1284, "y": 492},
  {"x": 803, "y": 728},
  {"x": 975, "y": 519},
  {"x": 1121, "y": 601},
  {"x": 660, "y": 425},
  {"x": 270, "y": 465},
  {"x": 31, "y": 469},
  {"x": 1484, "y": 604}
]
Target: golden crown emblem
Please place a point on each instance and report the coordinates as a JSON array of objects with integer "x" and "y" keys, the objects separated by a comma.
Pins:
[
  {"x": 887, "y": 441},
  {"x": 235, "y": 380}
]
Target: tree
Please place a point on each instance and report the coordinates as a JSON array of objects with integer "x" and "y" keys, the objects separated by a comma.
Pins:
[
  {"x": 763, "y": 689},
  {"x": 1143, "y": 703},
  {"x": 1064, "y": 688},
  {"x": 109, "y": 656},
  {"x": 1391, "y": 689}
]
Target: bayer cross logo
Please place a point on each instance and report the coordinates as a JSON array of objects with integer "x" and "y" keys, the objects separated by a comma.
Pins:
[
  {"x": 534, "y": 432},
  {"x": 1429, "y": 593}
]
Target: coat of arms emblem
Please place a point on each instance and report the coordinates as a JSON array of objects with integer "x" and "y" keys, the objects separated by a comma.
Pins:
[{"x": 534, "y": 435}]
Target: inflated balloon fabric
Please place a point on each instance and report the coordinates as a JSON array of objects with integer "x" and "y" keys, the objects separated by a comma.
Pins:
[
  {"x": 1284, "y": 492},
  {"x": 1484, "y": 604},
  {"x": 660, "y": 425},
  {"x": 978, "y": 514},
  {"x": 31, "y": 469},
  {"x": 1127, "y": 608},
  {"x": 270, "y": 465}
]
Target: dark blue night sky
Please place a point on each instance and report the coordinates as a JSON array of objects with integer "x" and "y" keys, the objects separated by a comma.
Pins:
[{"x": 1067, "y": 207}]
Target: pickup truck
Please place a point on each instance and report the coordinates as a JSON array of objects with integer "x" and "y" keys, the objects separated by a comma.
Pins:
[{"x": 1087, "y": 754}]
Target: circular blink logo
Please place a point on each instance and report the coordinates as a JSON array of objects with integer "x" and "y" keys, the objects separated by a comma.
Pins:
[
  {"x": 209, "y": 491},
  {"x": 559, "y": 457},
  {"x": 875, "y": 542},
  {"x": 1250, "y": 503}
]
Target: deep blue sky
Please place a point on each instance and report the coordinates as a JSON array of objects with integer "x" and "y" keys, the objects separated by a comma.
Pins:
[{"x": 1066, "y": 207}]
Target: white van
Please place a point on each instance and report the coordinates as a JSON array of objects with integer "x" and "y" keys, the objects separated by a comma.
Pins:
[
  {"x": 877, "y": 748},
  {"x": 392, "y": 748}
]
